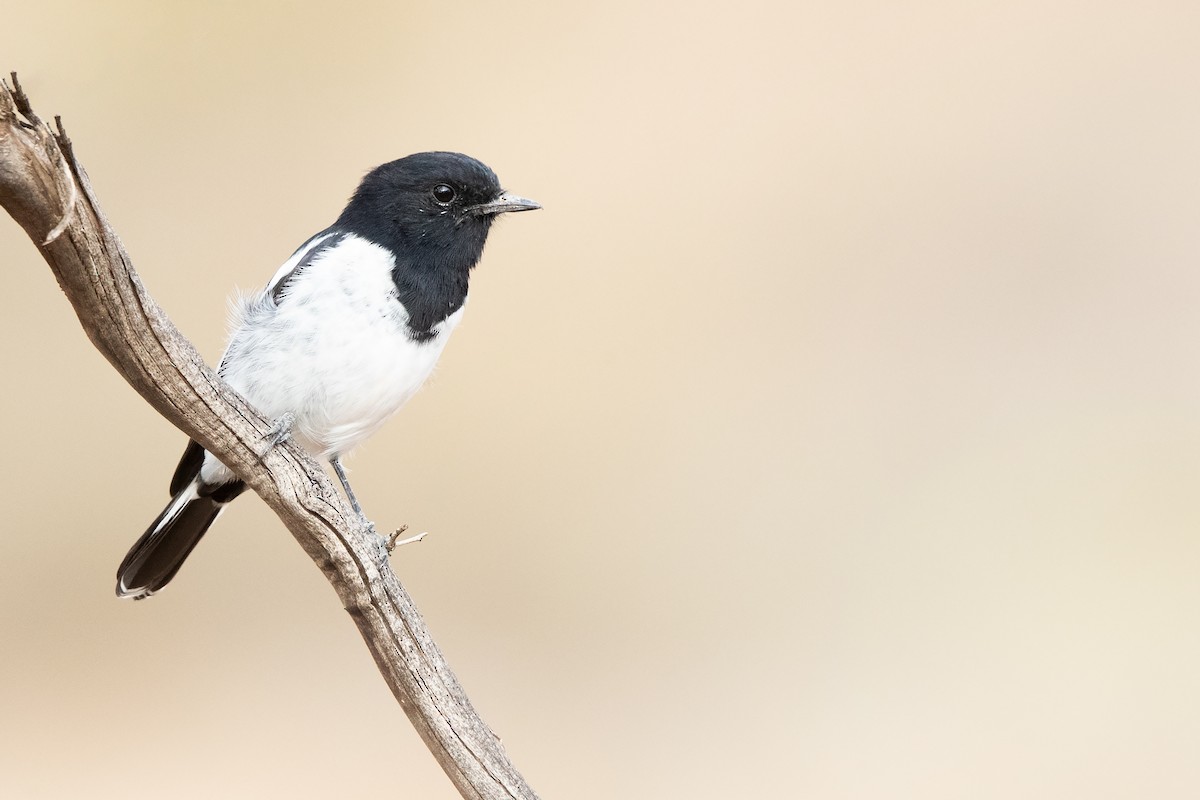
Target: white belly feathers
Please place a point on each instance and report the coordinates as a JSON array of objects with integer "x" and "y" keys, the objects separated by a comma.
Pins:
[{"x": 334, "y": 352}]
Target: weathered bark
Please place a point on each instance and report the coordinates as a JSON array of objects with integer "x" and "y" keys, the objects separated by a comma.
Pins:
[{"x": 45, "y": 189}]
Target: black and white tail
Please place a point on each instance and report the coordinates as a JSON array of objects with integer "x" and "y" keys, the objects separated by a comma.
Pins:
[{"x": 166, "y": 544}]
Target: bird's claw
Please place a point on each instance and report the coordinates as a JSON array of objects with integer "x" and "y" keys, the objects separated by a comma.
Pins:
[
  {"x": 380, "y": 542},
  {"x": 382, "y": 552},
  {"x": 280, "y": 432}
]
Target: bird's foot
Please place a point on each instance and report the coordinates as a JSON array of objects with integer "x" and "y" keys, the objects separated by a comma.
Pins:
[
  {"x": 280, "y": 432},
  {"x": 382, "y": 551}
]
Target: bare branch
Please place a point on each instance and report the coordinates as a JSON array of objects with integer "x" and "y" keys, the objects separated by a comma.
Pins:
[
  {"x": 395, "y": 541},
  {"x": 45, "y": 189}
]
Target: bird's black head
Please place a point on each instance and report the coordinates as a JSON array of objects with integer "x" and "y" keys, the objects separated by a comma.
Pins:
[{"x": 433, "y": 211}]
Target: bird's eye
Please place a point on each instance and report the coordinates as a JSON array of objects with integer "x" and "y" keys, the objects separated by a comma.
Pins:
[{"x": 443, "y": 193}]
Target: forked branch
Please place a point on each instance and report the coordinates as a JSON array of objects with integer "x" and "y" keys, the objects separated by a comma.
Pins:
[{"x": 45, "y": 189}]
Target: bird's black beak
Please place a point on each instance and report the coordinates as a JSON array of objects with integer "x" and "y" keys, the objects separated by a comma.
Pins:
[{"x": 501, "y": 203}]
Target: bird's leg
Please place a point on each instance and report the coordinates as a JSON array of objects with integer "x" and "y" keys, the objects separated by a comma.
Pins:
[{"x": 341, "y": 473}]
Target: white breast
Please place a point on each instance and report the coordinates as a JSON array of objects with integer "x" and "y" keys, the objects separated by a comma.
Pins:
[{"x": 334, "y": 351}]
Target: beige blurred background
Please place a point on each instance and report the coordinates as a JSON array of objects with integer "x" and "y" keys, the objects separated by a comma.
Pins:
[{"x": 831, "y": 433}]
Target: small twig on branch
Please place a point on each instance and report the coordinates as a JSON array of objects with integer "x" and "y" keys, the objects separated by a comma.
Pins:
[
  {"x": 45, "y": 189},
  {"x": 395, "y": 541},
  {"x": 21, "y": 100}
]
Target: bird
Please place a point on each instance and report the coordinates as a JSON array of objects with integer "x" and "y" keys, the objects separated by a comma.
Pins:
[{"x": 346, "y": 331}]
